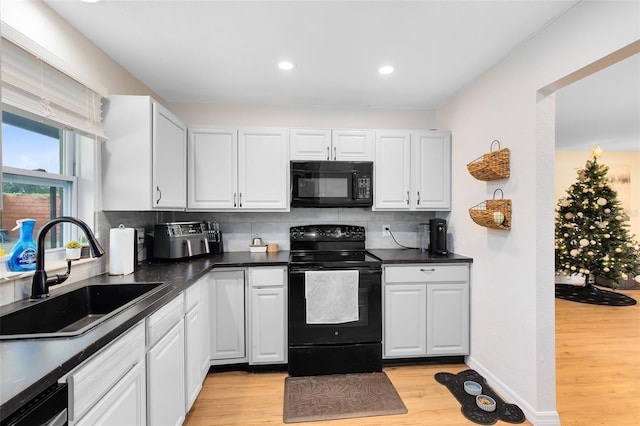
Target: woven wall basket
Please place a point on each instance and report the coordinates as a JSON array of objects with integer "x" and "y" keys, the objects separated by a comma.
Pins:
[
  {"x": 495, "y": 214},
  {"x": 491, "y": 166}
]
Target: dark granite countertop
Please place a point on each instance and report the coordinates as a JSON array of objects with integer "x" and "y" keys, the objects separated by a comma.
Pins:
[
  {"x": 399, "y": 256},
  {"x": 29, "y": 366}
]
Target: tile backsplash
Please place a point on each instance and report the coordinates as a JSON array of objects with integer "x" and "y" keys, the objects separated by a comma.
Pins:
[{"x": 239, "y": 228}]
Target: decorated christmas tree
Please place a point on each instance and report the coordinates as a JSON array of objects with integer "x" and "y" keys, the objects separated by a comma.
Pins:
[{"x": 591, "y": 235}]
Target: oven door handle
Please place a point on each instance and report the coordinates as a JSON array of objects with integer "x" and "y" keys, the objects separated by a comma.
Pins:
[{"x": 365, "y": 270}]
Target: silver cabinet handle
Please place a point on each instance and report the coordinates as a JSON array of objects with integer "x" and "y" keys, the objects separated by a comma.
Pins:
[
  {"x": 241, "y": 199},
  {"x": 328, "y": 156},
  {"x": 234, "y": 200},
  {"x": 427, "y": 270},
  {"x": 418, "y": 197},
  {"x": 159, "y": 194},
  {"x": 335, "y": 154},
  {"x": 407, "y": 197}
]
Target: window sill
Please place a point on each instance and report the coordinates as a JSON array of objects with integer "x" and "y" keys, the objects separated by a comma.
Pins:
[{"x": 53, "y": 266}]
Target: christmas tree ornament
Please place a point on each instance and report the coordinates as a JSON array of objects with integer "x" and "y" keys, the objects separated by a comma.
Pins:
[{"x": 597, "y": 151}]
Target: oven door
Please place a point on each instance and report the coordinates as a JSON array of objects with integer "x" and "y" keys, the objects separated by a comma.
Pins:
[
  {"x": 331, "y": 184},
  {"x": 368, "y": 327}
]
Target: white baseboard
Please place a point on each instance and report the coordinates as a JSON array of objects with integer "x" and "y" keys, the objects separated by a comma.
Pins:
[{"x": 536, "y": 418}]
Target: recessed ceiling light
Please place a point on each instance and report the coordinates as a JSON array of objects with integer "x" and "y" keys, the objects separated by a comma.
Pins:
[
  {"x": 286, "y": 65},
  {"x": 384, "y": 70},
  {"x": 91, "y": 1}
]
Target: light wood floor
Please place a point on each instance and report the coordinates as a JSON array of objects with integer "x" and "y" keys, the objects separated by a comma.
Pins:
[
  {"x": 598, "y": 363},
  {"x": 598, "y": 373}
]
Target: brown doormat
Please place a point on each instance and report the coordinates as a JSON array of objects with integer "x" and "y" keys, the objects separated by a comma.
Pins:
[{"x": 340, "y": 396}]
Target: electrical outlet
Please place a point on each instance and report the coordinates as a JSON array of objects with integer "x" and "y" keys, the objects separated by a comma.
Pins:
[{"x": 385, "y": 230}]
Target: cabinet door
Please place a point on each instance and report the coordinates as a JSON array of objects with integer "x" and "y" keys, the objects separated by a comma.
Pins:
[
  {"x": 195, "y": 341},
  {"x": 95, "y": 377},
  {"x": 268, "y": 325},
  {"x": 227, "y": 315},
  {"x": 124, "y": 404},
  {"x": 263, "y": 169},
  {"x": 405, "y": 320},
  {"x": 392, "y": 170},
  {"x": 169, "y": 158},
  {"x": 212, "y": 171},
  {"x": 431, "y": 171},
  {"x": 165, "y": 364},
  {"x": 310, "y": 144},
  {"x": 126, "y": 154},
  {"x": 205, "y": 354},
  {"x": 352, "y": 145},
  {"x": 448, "y": 319}
]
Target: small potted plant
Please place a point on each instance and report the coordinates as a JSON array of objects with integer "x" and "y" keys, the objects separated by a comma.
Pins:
[{"x": 74, "y": 249}]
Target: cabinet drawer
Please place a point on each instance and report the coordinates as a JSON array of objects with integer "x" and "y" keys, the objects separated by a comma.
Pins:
[
  {"x": 267, "y": 277},
  {"x": 97, "y": 375},
  {"x": 193, "y": 295},
  {"x": 426, "y": 273},
  {"x": 160, "y": 322}
]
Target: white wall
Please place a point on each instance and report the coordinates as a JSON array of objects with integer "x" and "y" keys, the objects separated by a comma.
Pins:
[
  {"x": 512, "y": 276},
  {"x": 302, "y": 116},
  {"x": 36, "y": 21}
]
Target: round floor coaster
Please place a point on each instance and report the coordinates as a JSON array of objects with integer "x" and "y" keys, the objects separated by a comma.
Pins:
[{"x": 593, "y": 295}]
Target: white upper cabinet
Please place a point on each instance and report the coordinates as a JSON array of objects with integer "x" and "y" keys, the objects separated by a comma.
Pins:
[
  {"x": 431, "y": 170},
  {"x": 232, "y": 169},
  {"x": 392, "y": 180},
  {"x": 144, "y": 159},
  {"x": 213, "y": 168},
  {"x": 310, "y": 144},
  {"x": 332, "y": 145},
  {"x": 412, "y": 170},
  {"x": 263, "y": 169}
]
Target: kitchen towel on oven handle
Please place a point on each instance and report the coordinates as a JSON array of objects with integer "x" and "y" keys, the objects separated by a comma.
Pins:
[{"x": 331, "y": 296}]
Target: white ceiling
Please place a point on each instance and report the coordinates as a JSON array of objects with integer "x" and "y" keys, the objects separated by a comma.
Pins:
[
  {"x": 216, "y": 51},
  {"x": 227, "y": 51},
  {"x": 603, "y": 108}
]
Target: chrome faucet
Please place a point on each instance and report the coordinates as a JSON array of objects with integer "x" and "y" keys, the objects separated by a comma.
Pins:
[{"x": 40, "y": 284}]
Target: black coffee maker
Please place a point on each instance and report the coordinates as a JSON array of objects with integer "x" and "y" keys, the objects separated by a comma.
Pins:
[{"x": 438, "y": 236}]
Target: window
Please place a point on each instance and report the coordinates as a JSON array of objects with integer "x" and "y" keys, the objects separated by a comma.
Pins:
[
  {"x": 51, "y": 130},
  {"x": 39, "y": 179}
]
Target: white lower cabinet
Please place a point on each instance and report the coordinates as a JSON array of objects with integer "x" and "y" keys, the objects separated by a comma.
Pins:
[
  {"x": 196, "y": 332},
  {"x": 227, "y": 311},
  {"x": 248, "y": 316},
  {"x": 267, "y": 310},
  {"x": 405, "y": 320},
  {"x": 97, "y": 388},
  {"x": 124, "y": 404},
  {"x": 426, "y": 310},
  {"x": 165, "y": 365}
]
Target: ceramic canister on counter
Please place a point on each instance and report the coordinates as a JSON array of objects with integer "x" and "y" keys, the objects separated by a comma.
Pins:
[{"x": 122, "y": 247}]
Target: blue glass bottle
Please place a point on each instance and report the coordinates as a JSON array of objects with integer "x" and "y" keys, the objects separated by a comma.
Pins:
[{"x": 23, "y": 254}]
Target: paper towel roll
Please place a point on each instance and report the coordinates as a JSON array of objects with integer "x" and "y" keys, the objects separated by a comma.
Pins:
[{"x": 121, "y": 250}]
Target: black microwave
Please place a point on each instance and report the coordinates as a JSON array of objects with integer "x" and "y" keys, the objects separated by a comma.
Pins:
[{"x": 331, "y": 184}]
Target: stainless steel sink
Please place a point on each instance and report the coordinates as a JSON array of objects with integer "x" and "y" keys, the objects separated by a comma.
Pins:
[{"x": 74, "y": 312}]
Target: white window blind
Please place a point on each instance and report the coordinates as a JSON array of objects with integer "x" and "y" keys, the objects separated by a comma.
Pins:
[{"x": 34, "y": 86}]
